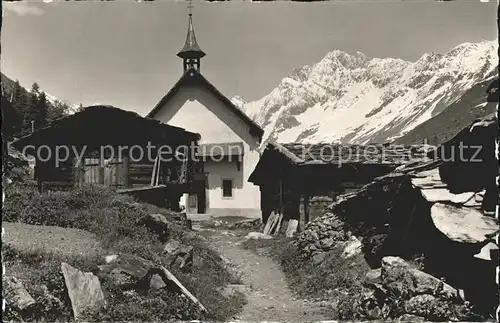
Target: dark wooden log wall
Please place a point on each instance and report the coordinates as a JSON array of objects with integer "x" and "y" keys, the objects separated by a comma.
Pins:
[
  {"x": 127, "y": 173},
  {"x": 291, "y": 190}
]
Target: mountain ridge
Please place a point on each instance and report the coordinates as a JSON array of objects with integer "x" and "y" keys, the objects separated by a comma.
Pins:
[{"x": 368, "y": 99}]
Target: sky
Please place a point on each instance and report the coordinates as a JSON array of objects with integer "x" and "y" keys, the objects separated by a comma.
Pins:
[{"x": 123, "y": 53}]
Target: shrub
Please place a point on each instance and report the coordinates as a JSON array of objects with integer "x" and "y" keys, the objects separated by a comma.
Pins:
[
  {"x": 57, "y": 208},
  {"x": 17, "y": 198}
]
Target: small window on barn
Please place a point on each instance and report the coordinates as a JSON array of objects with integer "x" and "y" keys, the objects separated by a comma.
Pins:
[{"x": 227, "y": 188}]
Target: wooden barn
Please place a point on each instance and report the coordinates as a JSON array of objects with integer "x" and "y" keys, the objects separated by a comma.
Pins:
[
  {"x": 291, "y": 175},
  {"x": 116, "y": 148}
]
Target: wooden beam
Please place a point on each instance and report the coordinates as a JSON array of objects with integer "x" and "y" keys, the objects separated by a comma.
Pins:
[
  {"x": 306, "y": 209},
  {"x": 158, "y": 172},
  {"x": 273, "y": 224},
  {"x": 281, "y": 192},
  {"x": 278, "y": 226},
  {"x": 153, "y": 174},
  {"x": 270, "y": 223},
  {"x": 126, "y": 167},
  {"x": 168, "y": 277},
  {"x": 101, "y": 174}
]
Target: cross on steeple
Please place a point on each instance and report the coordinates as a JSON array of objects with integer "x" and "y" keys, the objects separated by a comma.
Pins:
[{"x": 191, "y": 53}]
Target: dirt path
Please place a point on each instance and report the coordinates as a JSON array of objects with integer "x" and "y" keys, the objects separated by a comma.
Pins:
[{"x": 269, "y": 298}]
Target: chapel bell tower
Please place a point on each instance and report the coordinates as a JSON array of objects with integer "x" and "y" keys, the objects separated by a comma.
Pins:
[{"x": 191, "y": 53}]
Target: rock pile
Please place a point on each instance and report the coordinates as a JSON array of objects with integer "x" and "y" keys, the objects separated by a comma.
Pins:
[
  {"x": 156, "y": 223},
  {"x": 176, "y": 255},
  {"x": 318, "y": 206},
  {"x": 180, "y": 218},
  {"x": 322, "y": 234},
  {"x": 399, "y": 291}
]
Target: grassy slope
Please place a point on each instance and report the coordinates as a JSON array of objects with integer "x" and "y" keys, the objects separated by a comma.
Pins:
[
  {"x": 454, "y": 118},
  {"x": 50, "y": 239},
  {"x": 110, "y": 218}
]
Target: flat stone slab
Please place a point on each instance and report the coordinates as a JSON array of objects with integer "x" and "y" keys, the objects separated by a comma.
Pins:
[
  {"x": 84, "y": 290},
  {"x": 15, "y": 294},
  {"x": 444, "y": 195},
  {"x": 463, "y": 224}
]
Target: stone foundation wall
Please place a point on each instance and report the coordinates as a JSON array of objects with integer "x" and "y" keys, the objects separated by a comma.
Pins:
[{"x": 318, "y": 206}]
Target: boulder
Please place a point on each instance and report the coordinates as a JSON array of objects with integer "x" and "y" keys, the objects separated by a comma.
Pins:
[
  {"x": 156, "y": 282},
  {"x": 257, "y": 236},
  {"x": 373, "y": 277},
  {"x": 157, "y": 223},
  {"x": 399, "y": 277},
  {"x": 171, "y": 246},
  {"x": 15, "y": 294},
  {"x": 178, "y": 255},
  {"x": 420, "y": 305},
  {"x": 370, "y": 305},
  {"x": 311, "y": 248},
  {"x": 183, "y": 258},
  {"x": 410, "y": 318},
  {"x": 352, "y": 248},
  {"x": 131, "y": 265},
  {"x": 84, "y": 290},
  {"x": 326, "y": 243},
  {"x": 318, "y": 258}
]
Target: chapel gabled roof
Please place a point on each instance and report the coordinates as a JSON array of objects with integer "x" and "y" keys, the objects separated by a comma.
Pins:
[{"x": 194, "y": 77}]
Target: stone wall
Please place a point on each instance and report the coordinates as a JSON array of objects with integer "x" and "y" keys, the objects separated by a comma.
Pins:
[{"x": 318, "y": 206}]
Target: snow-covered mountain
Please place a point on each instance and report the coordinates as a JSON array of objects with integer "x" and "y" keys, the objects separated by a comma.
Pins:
[{"x": 356, "y": 99}]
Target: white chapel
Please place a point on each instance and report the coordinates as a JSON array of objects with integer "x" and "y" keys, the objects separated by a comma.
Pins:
[{"x": 229, "y": 139}]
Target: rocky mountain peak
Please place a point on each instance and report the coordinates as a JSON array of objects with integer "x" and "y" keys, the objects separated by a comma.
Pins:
[{"x": 353, "y": 98}]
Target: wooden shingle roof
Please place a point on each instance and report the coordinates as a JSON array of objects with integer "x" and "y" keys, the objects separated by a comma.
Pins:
[
  {"x": 106, "y": 125},
  {"x": 328, "y": 153}
]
